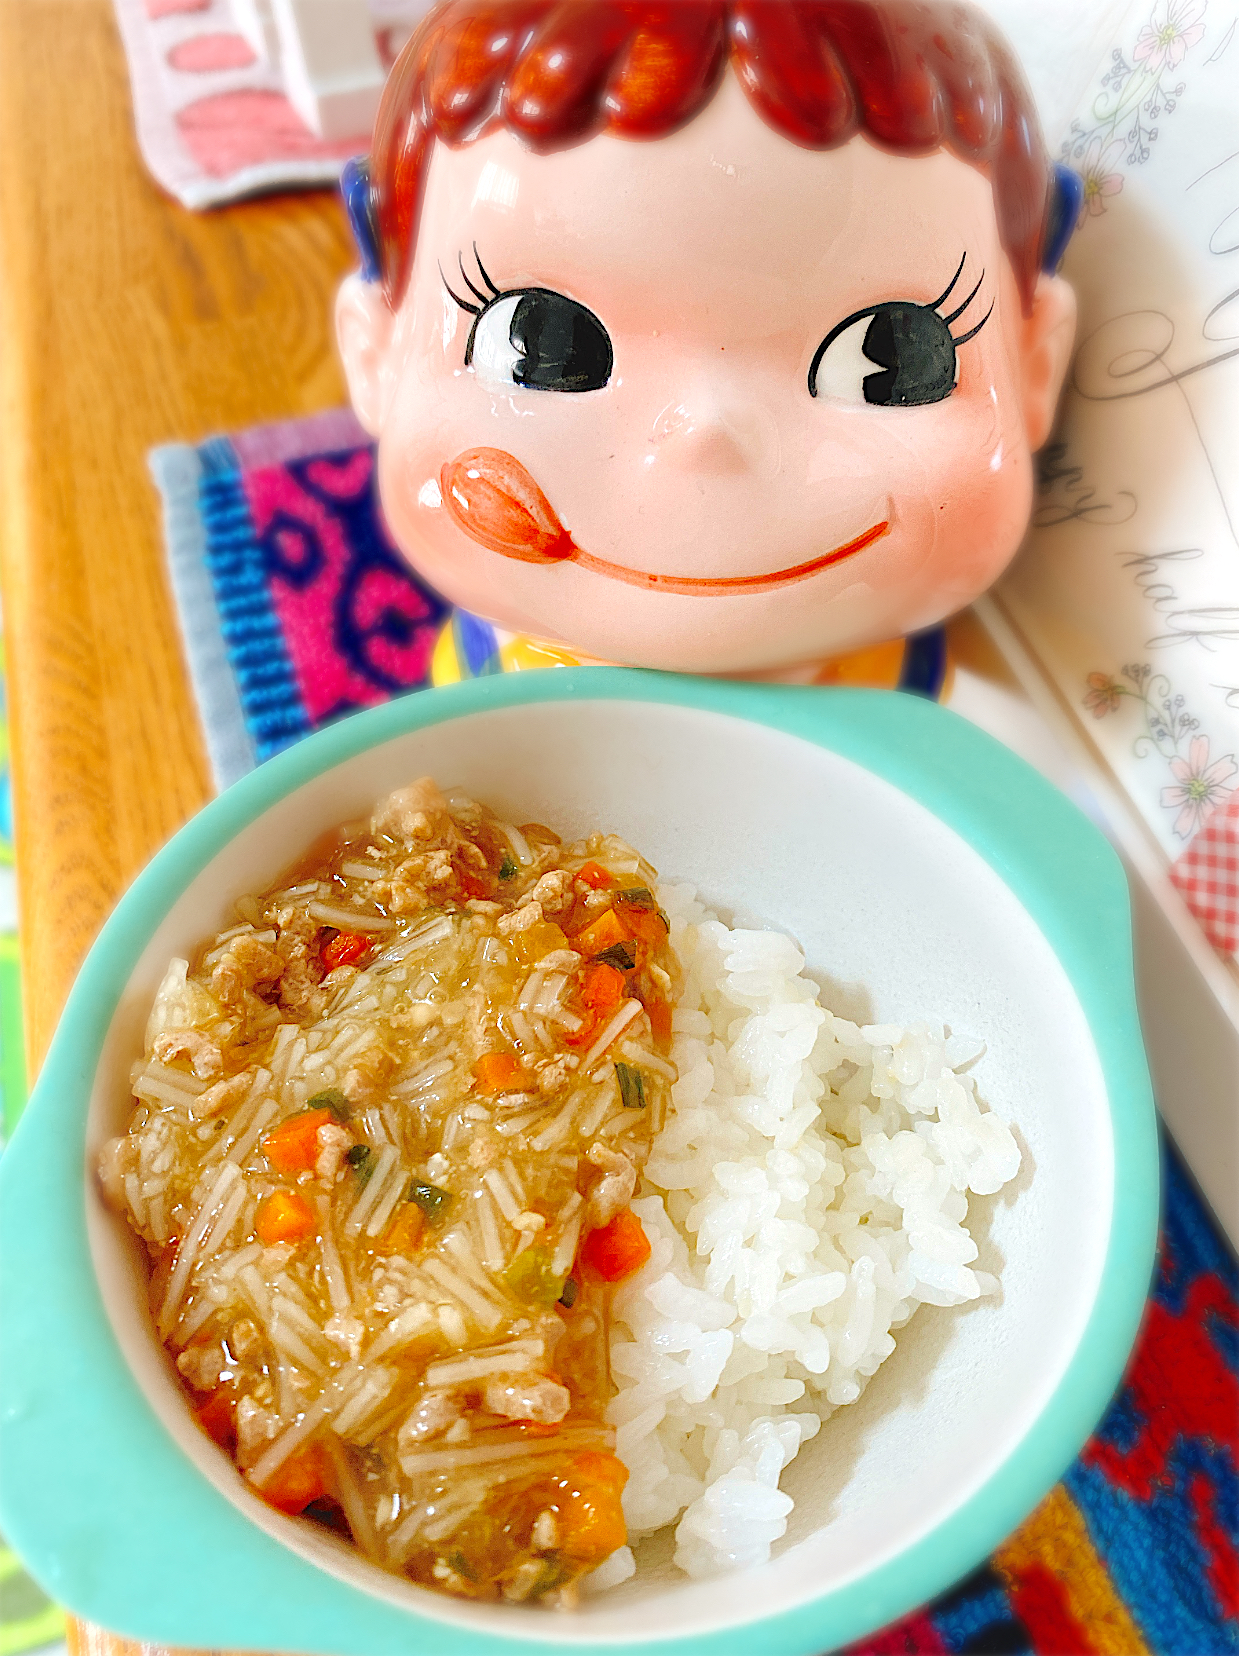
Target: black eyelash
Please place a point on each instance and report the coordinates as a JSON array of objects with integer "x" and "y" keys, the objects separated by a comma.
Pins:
[
  {"x": 946, "y": 292},
  {"x": 960, "y": 309},
  {"x": 485, "y": 298},
  {"x": 496, "y": 292},
  {"x": 972, "y": 332},
  {"x": 474, "y": 310}
]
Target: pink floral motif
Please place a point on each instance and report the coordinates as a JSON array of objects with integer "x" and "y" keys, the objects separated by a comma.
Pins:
[
  {"x": 1136, "y": 93},
  {"x": 1169, "y": 34},
  {"x": 1100, "y": 180},
  {"x": 1171, "y": 731},
  {"x": 1104, "y": 694},
  {"x": 1200, "y": 787}
]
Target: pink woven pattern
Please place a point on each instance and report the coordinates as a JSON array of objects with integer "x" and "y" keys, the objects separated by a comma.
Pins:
[
  {"x": 357, "y": 627},
  {"x": 1207, "y": 873}
]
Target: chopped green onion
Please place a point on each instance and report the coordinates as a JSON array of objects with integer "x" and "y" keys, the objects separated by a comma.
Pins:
[
  {"x": 532, "y": 1280},
  {"x": 332, "y": 1099},
  {"x": 554, "y": 1573},
  {"x": 361, "y": 1159},
  {"x": 619, "y": 955},
  {"x": 507, "y": 869},
  {"x": 432, "y": 1201},
  {"x": 458, "y": 1562},
  {"x": 641, "y": 897},
  {"x": 571, "y": 1289},
  {"x": 631, "y": 1086}
]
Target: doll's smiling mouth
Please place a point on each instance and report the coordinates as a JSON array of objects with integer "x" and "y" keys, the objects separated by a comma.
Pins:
[
  {"x": 718, "y": 586},
  {"x": 497, "y": 503}
]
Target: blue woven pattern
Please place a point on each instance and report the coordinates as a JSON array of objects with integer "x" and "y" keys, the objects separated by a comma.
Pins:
[{"x": 270, "y": 699}]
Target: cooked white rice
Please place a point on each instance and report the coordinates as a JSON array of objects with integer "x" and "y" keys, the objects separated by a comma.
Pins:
[{"x": 808, "y": 1193}]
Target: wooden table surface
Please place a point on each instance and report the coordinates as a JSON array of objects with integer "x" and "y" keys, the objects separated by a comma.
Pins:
[{"x": 125, "y": 321}]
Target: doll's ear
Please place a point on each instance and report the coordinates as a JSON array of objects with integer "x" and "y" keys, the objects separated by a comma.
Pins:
[
  {"x": 1045, "y": 351},
  {"x": 364, "y": 324}
]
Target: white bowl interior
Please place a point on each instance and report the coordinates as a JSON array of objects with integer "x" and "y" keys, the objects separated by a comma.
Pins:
[{"x": 899, "y": 918}]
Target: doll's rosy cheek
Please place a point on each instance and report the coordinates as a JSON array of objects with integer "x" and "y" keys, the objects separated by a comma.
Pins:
[{"x": 498, "y": 504}]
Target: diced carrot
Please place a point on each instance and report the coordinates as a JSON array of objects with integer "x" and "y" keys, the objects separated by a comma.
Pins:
[
  {"x": 579, "y": 1039},
  {"x": 645, "y": 923},
  {"x": 343, "y": 949},
  {"x": 616, "y": 1250},
  {"x": 293, "y": 1146},
  {"x": 601, "y": 933},
  {"x": 284, "y": 1217},
  {"x": 303, "y": 1478},
  {"x": 404, "y": 1231},
  {"x": 659, "y": 1013},
  {"x": 597, "y": 877},
  {"x": 599, "y": 1467},
  {"x": 602, "y": 988},
  {"x": 537, "y": 940},
  {"x": 218, "y": 1417},
  {"x": 496, "y": 1072},
  {"x": 591, "y": 1519},
  {"x": 472, "y": 884},
  {"x": 535, "y": 1429}
]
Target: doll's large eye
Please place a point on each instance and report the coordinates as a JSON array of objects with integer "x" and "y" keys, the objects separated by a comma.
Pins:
[
  {"x": 896, "y": 355},
  {"x": 541, "y": 340}
]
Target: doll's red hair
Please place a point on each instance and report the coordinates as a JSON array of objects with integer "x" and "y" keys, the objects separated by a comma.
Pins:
[{"x": 913, "y": 75}]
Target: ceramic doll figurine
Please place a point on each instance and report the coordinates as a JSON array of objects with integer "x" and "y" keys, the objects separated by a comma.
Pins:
[{"x": 714, "y": 336}]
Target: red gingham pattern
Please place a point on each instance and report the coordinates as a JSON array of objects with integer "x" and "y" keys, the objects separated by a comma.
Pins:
[{"x": 1207, "y": 873}]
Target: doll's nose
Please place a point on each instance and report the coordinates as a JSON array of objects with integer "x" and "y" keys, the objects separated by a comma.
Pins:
[{"x": 711, "y": 434}]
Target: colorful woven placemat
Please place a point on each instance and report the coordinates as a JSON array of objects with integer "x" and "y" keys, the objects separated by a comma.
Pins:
[
  {"x": 294, "y": 604},
  {"x": 297, "y": 608}
]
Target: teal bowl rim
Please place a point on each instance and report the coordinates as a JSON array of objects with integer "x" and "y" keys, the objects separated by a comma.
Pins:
[{"x": 115, "y": 1521}]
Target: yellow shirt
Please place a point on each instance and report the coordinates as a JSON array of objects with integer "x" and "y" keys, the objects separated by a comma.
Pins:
[{"x": 469, "y": 647}]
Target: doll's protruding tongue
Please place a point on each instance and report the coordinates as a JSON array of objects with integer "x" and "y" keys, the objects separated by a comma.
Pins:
[{"x": 497, "y": 503}]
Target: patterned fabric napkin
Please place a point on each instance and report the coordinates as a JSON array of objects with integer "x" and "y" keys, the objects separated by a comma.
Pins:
[
  {"x": 212, "y": 119},
  {"x": 295, "y": 605}
]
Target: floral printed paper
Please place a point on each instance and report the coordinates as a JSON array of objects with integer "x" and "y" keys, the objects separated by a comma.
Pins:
[{"x": 1127, "y": 591}]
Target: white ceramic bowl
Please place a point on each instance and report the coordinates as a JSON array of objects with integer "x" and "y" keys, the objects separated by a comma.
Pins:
[{"x": 924, "y": 871}]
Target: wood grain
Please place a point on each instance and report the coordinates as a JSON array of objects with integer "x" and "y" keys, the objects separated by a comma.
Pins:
[
  {"x": 84, "y": 1639},
  {"x": 125, "y": 321}
]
